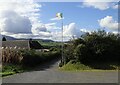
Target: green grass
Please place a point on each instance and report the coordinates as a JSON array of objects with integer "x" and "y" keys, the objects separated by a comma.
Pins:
[
  {"x": 50, "y": 44},
  {"x": 70, "y": 66},
  {"x": 74, "y": 67},
  {"x": 6, "y": 73},
  {"x": 10, "y": 69}
]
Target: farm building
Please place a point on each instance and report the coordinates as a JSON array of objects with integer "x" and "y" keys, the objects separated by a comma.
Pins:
[{"x": 21, "y": 44}]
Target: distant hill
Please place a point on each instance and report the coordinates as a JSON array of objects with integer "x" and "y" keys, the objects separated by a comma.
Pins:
[{"x": 11, "y": 38}]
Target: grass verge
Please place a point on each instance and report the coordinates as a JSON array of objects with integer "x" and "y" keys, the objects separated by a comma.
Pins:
[
  {"x": 10, "y": 69},
  {"x": 77, "y": 66},
  {"x": 74, "y": 67},
  {"x": 6, "y": 73}
]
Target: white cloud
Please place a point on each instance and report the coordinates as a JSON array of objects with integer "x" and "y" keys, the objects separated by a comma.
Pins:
[
  {"x": 14, "y": 23},
  {"x": 38, "y": 27},
  {"x": 52, "y": 26},
  {"x": 85, "y": 30},
  {"x": 16, "y": 16},
  {"x": 115, "y": 32},
  {"x": 56, "y": 18},
  {"x": 108, "y": 22},
  {"x": 115, "y": 7},
  {"x": 21, "y": 18},
  {"x": 101, "y": 5},
  {"x": 69, "y": 31},
  {"x": 41, "y": 35}
]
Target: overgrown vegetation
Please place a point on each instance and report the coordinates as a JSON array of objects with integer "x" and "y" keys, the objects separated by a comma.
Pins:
[
  {"x": 48, "y": 45},
  {"x": 10, "y": 69},
  {"x": 33, "y": 58},
  {"x": 74, "y": 66},
  {"x": 93, "y": 49},
  {"x": 15, "y": 61}
]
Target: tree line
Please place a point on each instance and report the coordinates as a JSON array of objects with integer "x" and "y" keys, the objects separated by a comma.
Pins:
[{"x": 96, "y": 47}]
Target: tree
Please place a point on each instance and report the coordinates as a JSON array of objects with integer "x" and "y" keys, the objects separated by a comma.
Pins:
[
  {"x": 78, "y": 41},
  {"x": 3, "y": 39},
  {"x": 94, "y": 47}
]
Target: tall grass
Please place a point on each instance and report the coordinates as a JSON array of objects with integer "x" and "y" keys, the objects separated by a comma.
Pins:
[
  {"x": 27, "y": 57},
  {"x": 11, "y": 55},
  {"x": 20, "y": 60}
]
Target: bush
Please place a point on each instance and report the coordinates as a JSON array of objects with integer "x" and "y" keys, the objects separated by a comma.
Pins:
[
  {"x": 75, "y": 66},
  {"x": 95, "y": 47},
  {"x": 50, "y": 55},
  {"x": 54, "y": 49},
  {"x": 68, "y": 53},
  {"x": 81, "y": 53},
  {"x": 32, "y": 58},
  {"x": 27, "y": 57}
]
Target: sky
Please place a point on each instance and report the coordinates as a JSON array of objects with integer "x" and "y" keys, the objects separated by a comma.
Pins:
[{"x": 37, "y": 20}]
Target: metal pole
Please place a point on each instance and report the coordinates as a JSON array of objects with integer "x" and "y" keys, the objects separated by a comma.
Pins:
[
  {"x": 118, "y": 19},
  {"x": 62, "y": 43}
]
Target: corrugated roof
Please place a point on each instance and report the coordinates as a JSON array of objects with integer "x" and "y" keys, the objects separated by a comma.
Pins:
[{"x": 16, "y": 43}]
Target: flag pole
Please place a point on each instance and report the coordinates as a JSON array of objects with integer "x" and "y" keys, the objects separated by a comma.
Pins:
[
  {"x": 60, "y": 16},
  {"x": 62, "y": 43}
]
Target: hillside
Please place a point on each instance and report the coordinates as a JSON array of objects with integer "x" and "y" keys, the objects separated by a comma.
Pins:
[
  {"x": 12, "y": 38},
  {"x": 9, "y": 38}
]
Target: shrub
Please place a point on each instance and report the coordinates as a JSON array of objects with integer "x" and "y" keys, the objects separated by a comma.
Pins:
[
  {"x": 68, "y": 53},
  {"x": 75, "y": 66},
  {"x": 27, "y": 57},
  {"x": 94, "y": 47},
  {"x": 81, "y": 53},
  {"x": 49, "y": 55},
  {"x": 54, "y": 49},
  {"x": 78, "y": 41},
  {"x": 30, "y": 58}
]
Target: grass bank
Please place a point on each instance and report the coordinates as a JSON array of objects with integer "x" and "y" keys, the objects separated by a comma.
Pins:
[
  {"x": 10, "y": 69},
  {"x": 77, "y": 66}
]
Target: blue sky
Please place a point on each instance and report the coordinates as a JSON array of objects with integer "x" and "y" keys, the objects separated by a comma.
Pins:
[
  {"x": 84, "y": 17},
  {"x": 30, "y": 19}
]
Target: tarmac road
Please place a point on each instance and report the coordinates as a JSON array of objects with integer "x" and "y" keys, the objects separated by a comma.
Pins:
[{"x": 49, "y": 73}]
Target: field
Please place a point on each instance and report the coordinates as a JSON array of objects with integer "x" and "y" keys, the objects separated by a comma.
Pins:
[{"x": 50, "y": 44}]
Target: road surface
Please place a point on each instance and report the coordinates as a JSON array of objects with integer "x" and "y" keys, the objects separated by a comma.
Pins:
[{"x": 49, "y": 73}]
